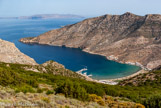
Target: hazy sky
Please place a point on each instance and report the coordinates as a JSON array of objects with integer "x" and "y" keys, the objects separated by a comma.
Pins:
[{"x": 79, "y": 7}]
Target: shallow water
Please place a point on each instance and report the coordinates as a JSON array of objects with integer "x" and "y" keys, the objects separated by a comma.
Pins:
[{"x": 74, "y": 59}]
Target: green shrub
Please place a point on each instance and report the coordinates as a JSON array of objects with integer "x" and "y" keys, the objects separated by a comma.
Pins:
[
  {"x": 39, "y": 90},
  {"x": 9, "y": 77},
  {"x": 49, "y": 92},
  {"x": 47, "y": 100},
  {"x": 153, "y": 102},
  {"x": 32, "y": 82},
  {"x": 73, "y": 90},
  {"x": 67, "y": 106},
  {"x": 25, "y": 89},
  {"x": 95, "y": 98}
]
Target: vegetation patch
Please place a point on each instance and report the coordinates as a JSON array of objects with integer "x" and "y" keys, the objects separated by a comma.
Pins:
[{"x": 25, "y": 81}]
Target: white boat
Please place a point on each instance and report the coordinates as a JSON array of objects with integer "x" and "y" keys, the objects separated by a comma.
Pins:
[
  {"x": 80, "y": 71},
  {"x": 85, "y": 73},
  {"x": 90, "y": 75}
]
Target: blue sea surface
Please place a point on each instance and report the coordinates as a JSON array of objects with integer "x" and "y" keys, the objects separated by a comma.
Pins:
[{"x": 74, "y": 59}]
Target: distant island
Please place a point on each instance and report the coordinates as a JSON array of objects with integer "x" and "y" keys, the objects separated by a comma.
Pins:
[{"x": 45, "y": 16}]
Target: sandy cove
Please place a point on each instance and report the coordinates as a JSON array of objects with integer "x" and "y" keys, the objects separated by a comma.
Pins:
[
  {"x": 116, "y": 80},
  {"x": 130, "y": 76}
]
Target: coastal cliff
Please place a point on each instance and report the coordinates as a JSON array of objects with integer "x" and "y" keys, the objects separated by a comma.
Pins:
[
  {"x": 10, "y": 54},
  {"x": 126, "y": 38}
]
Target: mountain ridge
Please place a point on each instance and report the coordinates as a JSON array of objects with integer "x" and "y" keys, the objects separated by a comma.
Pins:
[{"x": 126, "y": 38}]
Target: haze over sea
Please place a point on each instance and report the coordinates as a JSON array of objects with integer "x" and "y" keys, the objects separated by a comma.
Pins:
[{"x": 74, "y": 59}]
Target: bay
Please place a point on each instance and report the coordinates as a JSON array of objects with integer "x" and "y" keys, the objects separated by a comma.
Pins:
[{"x": 74, "y": 59}]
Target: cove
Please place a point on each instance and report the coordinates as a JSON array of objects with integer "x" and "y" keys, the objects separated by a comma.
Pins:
[{"x": 74, "y": 59}]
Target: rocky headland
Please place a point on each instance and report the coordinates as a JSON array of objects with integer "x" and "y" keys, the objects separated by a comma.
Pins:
[
  {"x": 126, "y": 38},
  {"x": 10, "y": 54}
]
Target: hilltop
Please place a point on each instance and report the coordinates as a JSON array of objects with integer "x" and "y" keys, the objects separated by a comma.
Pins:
[{"x": 126, "y": 38}]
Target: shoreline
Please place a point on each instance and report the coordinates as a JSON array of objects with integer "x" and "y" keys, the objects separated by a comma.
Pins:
[
  {"x": 115, "y": 80},
  {"x": 129, "y": 76},
  {"x": 113, "y": 58}
]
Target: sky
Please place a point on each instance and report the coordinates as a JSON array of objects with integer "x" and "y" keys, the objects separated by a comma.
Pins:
[{"x": 86, "y": 8}]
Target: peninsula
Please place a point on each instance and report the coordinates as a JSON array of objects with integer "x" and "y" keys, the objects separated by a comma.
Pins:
[{"x": 126, "y": 38}]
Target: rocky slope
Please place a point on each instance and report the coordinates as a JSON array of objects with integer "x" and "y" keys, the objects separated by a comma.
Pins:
[
  {"x": 153, "y": 76},
  {"x": 54, "y": 68},
  {"x": 126, "y": 38},
  {"x": 10, "y": 99},
  {"x": 10, "y": 54}
]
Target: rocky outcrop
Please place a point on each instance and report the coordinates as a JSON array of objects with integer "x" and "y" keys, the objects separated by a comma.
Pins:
[
  {"x": 53, "y": 64},
  {"x": 52, "y": 67},
  {"x": 10, "y": 54},
  {"x": 126, "y": 38}
]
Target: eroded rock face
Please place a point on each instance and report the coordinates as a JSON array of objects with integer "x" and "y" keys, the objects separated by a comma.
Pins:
[
  {"x": 126, "y": 38},
  {"x": 10, "y": 54}
]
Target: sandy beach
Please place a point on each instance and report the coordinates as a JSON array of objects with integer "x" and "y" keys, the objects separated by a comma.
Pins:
[
  {"x": 116, "y": 80},
  {"x": 113, "y": 81},
  {"x": 129, "y": 76}
]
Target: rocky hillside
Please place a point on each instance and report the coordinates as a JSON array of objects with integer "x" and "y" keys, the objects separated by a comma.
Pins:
[
  {"x": 126, "y": 38},
  {"x": 53, "y": 68},
  {"x": 10, "y": 54},
  {"x": 152, "y": 77}
]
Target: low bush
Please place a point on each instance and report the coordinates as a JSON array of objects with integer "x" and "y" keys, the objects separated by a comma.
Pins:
[
  {"x": 95, "y": 98},
  {"x": 49, "y": 92},
  {"x": 153, "y": 102}
]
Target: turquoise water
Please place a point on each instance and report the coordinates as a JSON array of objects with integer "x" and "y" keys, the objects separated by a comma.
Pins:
[{"x": 74, "y": 59}]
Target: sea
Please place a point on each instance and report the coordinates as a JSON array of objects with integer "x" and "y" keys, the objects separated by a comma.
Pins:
[{"x": 98, "y": 67}]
